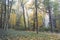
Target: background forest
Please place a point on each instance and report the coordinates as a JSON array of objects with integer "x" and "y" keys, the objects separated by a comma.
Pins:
[{"x": 30, "y": 15}]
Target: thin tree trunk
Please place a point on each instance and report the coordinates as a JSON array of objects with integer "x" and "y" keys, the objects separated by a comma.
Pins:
[
  {"x": 36, "y": 18},
  {"x": 5, "y": 16},
  {"x": 50, "y": 17},
  {"x": 1, "y": 16},
  {"x": 23, "y": 14},
  {"x": 24, "y": 18}
]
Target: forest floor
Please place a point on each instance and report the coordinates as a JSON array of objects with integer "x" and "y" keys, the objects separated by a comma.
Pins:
[{"x": 27, "y": 35}]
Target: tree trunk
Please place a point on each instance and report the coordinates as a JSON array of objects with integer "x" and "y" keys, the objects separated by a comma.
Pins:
[
  {"x": 50, "y": 18},
  {"x": 5, "y": 15},
  {"x": 36, "y": 18},
  {"x": 1, "y": 16},
  {"x": 23, "y": 14},
  {"x": 24, "y": 18}
]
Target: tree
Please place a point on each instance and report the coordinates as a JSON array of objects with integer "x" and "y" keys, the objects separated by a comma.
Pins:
[
  {"x": 5, "y": 13},
  {"x": 56, "y": 13},
  {"x": 40, "y": 18},
  {"x": 23, "y": 13},
  {"x": 1, "y": 15},
  {"x": 36, "y": 18},
  {"x": 48, "y": 7}
]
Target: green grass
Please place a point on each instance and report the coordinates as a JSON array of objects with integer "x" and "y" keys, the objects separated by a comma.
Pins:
[{"x": 26, "y": 35}]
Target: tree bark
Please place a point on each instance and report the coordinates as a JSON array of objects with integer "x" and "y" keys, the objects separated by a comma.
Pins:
[
  {"x": 1, "y": 17},
  {"x": 23, "y": 14},
  {"x": 50, "y": 18},
  {"x": 5, "y": 15},
  {"x": 36, "y": 18}
]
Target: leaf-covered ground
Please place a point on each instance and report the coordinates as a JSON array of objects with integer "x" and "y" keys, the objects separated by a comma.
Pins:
[{"x": 26, "y": 35}]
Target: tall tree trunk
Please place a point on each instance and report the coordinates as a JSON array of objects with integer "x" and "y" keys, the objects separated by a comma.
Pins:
[
  {"x": 36, "y": 18},
  {"x": 49, "y": 7},
  {"x": 50, "y": 18},
  {"x": 23, "y": 14},
  {"x": 1, "y": 16},
  {"x": 5, "y": 15},
  {"x": 24, "y": 17}
]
